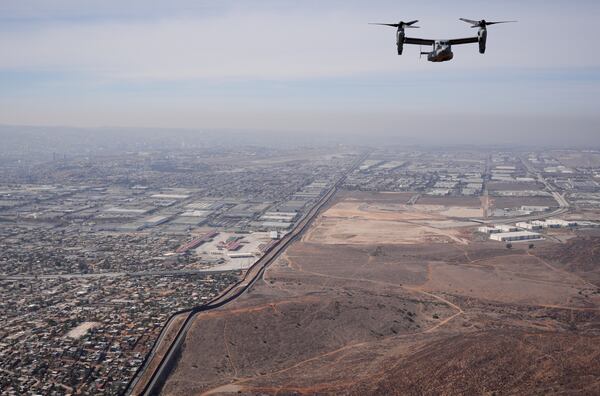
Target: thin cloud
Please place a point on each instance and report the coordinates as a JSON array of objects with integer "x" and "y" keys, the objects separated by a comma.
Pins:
[
  {"x": 288, "y": 65},
  {"x": 274, "y": 44}
]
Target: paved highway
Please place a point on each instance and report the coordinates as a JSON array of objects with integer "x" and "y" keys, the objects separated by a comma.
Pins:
[
  {"x": 254, "y": 273},
  {"x": 563, "y": 204}
]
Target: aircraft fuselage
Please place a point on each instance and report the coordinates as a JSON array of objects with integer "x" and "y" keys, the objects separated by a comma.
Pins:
[{"x": 442, "y": 52}]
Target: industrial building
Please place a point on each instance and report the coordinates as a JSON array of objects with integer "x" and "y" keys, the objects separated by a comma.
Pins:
[
  {"x": 207, "y": 205},
  {"x": 292, "y": 206},
  {"x": 515, "y": 236},
  {"x": 445, "y": 184},
  {"x": 279, "y": 216},
  {"x": 440, "y": 192},
  {"x": 276, "y": 225},
  {"x": 196, "y": 213},
  {"x": 134, "y": 211},
  {"x": 246, "y": 210},
  {"x": 170, "y": 196},
  {"x": 558, "y": 223},
  {"x": 498, "y": 228},
  {"x": 534, "y": 208},
  {"x": 530, "y": 226},
  {"x": 155, "y": 221}
]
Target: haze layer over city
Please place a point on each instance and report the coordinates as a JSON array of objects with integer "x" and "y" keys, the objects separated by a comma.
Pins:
[{"x": 277, "y": 197}]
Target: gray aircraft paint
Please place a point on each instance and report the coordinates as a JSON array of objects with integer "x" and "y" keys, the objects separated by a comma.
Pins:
[{"x": 441, "y": 49}]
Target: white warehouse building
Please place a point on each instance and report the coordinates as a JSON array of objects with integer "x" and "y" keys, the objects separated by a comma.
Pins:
[
  {"x": 557, "y": 223},
  {"x": 529, "y": 226},
  {"x": 515, "y": 236},
  {"x": 496, "y": 229}
]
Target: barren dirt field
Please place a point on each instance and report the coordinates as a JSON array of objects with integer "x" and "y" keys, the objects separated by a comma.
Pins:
[
  {"x": 361, "y": 223},
  {"x": 517, "y": 202},
  {"x": 384, "y": 298}
]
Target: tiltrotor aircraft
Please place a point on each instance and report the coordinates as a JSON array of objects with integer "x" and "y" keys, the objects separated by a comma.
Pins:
[{"x": 442, "y": 49}]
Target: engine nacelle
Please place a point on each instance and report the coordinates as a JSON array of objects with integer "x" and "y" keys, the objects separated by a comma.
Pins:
[
  {"x": 400, "y": 40},
  {"x": 482, "y": 40}
]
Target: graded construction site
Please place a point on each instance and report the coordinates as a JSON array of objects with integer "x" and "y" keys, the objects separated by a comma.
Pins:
[{"x": 384, "y": 297}]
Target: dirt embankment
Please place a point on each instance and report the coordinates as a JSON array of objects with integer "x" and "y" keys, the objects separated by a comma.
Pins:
[
  {"x": 498, "y": 362},
  {"x": 396, "y": 311},
  {"x": 578, "y": 256}
]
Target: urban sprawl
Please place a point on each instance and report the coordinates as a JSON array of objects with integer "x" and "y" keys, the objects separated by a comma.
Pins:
[{"x": 97, "y": 251}]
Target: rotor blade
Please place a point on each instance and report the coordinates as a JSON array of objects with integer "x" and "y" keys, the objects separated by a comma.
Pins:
[
  {"x": 386, "y": 24},
  {"x": 411, "y": 22},
  {"x": 472, "y": 22},
  {"x": 413, "y": 27},
  {"x": 493, "y": 23}
]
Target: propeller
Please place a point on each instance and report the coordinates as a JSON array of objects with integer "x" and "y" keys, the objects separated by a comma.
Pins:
[
  {"x": 483, "y": 23},
  {"x": 399, "y": 24}
]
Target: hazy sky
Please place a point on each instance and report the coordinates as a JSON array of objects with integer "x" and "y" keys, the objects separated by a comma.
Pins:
[{"x": 297, "y": 65}]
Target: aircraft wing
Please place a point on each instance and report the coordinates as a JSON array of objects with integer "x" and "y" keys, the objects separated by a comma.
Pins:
[
  {"x": 418, "y": 41},
  {"x": 468, "y": 40}
]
